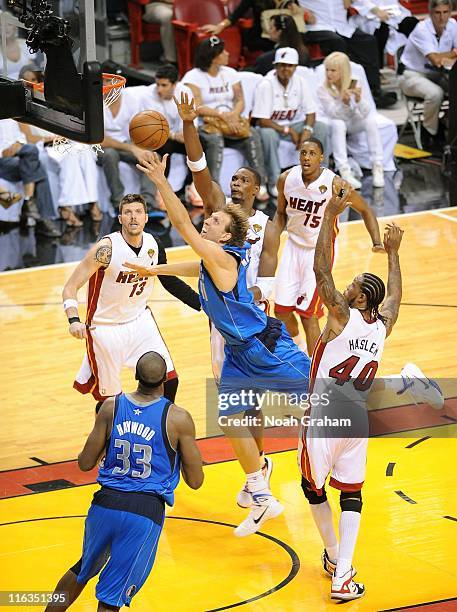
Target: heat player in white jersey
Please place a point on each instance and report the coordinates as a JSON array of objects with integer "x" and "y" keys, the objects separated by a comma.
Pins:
[
  {"x": 344, "y": 364},
  {"x": 119, "y": 326},
  {"x": 303, "y": 194}
]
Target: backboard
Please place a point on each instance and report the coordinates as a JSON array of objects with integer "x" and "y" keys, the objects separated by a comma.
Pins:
[{"x": 71, "y": 103}]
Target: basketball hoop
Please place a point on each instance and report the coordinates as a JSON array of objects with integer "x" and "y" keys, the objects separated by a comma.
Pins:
[{"x": 112, "y": 87}]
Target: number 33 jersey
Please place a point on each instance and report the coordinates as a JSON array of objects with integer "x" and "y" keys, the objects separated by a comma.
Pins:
[
  {"x": 306, "y": 205},
  {"x": 349, "y": 361},
  {"x": 117, "y": 294}
]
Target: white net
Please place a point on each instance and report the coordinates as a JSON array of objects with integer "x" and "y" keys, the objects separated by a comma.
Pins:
[{"x": 113, "y": 84}]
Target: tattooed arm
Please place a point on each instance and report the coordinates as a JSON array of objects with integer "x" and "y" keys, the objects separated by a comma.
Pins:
[
  {"x": 338, "y": 309},
  {"x": 391, "y": 305},
  {"x": 99, "y": 256}
]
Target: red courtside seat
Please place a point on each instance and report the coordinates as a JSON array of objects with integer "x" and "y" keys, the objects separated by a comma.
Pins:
[
  {"x": 140, "y": 31},
  {"x": 188, "y": 17}
]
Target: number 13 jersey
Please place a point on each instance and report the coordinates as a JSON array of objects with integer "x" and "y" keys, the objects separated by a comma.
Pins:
[
  {"x": 306, "y": 205},
  {"x": 117, "y": 294}
]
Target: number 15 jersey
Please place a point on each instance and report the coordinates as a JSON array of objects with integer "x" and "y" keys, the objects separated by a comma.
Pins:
[
  {"x": 117, "y": 294},
  {"x": 306, "y": 205}
]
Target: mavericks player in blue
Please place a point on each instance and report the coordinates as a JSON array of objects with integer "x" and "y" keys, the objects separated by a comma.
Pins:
[
  {"x": 259, "y": 353},
  {"x": 145, "y": 440}
]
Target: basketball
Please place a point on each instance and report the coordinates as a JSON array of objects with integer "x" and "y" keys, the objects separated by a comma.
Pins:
[{"x": 149, "y": 130}]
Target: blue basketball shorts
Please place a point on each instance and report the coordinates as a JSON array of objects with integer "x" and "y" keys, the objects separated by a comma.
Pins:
[
  {"x": 124, "y": 545},
  {"x": 253, "y": 366}
]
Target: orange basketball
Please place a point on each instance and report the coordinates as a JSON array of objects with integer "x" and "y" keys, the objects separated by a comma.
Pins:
[{"x": 149, "y": 130}]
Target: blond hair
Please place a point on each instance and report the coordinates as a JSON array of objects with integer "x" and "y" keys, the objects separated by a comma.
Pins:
[
  {"x": 239, "y": 224},
  {"x": 341, "y": 62}
]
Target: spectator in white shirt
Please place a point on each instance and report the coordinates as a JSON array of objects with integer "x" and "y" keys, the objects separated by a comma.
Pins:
[
  {"x": 430, "y": 52},
  {"x": 117, "y": 147},
  {"x": 349, "y": 111},
  {"x": 17, "y": 52},
  {"x": 159, "y": 97},
  {"x": 389, "y": 22},
  {"x": 217, "y": 91},
  {"x": 285, "y": 110},
  {"x": 333, "y": 32}
]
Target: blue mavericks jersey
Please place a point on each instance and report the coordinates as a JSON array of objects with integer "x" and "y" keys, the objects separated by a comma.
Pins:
[
  {"x": 139, "y": 456},
  {"x": 233, "y": 313}
]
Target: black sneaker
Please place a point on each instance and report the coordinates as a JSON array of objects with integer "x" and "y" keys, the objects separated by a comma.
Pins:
[
  {"x": 385, "y": 99},
  {"x": 46, "y": 227}
]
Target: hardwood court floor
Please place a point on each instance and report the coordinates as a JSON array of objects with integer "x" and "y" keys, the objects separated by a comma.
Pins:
[{"x": 406, "y": 551}]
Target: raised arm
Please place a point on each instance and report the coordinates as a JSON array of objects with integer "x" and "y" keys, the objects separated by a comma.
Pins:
[
  {"x": 99, "y": 256},
  {"x": 370, "y": 220},
  {"x": 280, "y": 218},
  {"x": 391, "y": 305},
  {"x": 337, "y": 306},
  {"x": 221, "y": 265},
  {"x": 96, "y": 442},
  {"x": 211, "y": 193}
]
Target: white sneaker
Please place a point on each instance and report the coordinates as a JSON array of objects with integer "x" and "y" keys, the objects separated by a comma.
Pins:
[
  {"x": 420, "y": 388},
  {"x": 347, "y": 175},
  {"x": 378, "y": 174},
  {"x": 244, "y": 497},
  {"x": 329, "y": 566},
  {"x": 264, "y": 508},
  {"x": 345, "y": 588}
]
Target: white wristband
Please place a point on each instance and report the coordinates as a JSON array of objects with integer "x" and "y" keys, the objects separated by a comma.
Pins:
[
  {"x": 70, "y": 304},
  {"x": 309, "y": 128},
  {"x": 197, "y": 166}
]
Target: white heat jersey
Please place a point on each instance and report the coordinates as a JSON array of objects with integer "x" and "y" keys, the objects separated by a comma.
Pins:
[
  {"x": 351, "y": 359},
  {"x": 117, "y": 294},
  {"x": 306, "y": 205},
  {"x": 255, "y": 237},
  {"x": 283, "y": 106}
]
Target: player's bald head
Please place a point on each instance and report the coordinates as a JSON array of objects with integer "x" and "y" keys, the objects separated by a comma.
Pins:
[{"x": 151, "y": 369}]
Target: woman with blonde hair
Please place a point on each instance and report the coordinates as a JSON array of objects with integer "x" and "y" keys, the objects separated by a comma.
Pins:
[{"x": 349, "y": 110}]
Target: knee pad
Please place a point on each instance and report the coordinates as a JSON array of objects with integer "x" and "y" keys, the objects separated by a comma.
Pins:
[
  {"x": 109, "y": 606},
  {"x": 170, "y": 387},
  {"x": 311, "y": 495},
  {"x": 351, "y": 501}
]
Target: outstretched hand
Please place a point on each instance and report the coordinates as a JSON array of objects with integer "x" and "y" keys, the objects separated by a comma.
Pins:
[
  {"x": 186, "y": 108},
  {"x": 392, "y": 237},
  {"x": 154, "y": 167},
  {"x": 142, "y": 271},
  {"x": 342, "y": 191}
]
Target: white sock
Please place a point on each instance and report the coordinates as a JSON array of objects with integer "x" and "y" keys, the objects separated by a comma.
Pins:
[
  {"x": 257, "y": 483},
  {"x": 349, "y": 530},
  {"x": 322, "y": 515}
]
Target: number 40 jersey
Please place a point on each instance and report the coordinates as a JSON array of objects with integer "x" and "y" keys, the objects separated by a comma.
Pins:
[{"x": 350, "y": 360}]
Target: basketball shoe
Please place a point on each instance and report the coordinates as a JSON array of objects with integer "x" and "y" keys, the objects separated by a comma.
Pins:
[
  {"x": 244, "y": 497},
  {"x": 264, "y": 507},
  {"x": 330, "y": 566},
  {"x": 420, "y": 388},
  {"x": 345, "y": 588}
]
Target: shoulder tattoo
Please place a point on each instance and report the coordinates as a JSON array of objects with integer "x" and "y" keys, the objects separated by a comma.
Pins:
[{"x": 103, "y": 254}]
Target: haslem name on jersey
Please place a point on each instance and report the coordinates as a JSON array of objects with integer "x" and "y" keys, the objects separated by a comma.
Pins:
[{"x": 361, "y": 344}]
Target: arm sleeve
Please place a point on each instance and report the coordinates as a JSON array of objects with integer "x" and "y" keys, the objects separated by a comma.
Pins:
[
  {"x": 175, "y": 286},
  {"x": 333, "y": 107}
]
